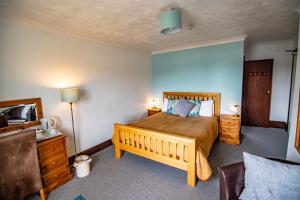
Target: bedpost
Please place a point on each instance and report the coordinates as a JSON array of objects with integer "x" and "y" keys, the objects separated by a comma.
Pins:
[
  {"x": 191, "y": 168},
  {"x": 118, "y": 151}
]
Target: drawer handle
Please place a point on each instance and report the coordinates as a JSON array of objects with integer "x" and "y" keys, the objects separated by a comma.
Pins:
[
  {"x": 54, "y": 162},
  {"x": 52, "y": 149}
]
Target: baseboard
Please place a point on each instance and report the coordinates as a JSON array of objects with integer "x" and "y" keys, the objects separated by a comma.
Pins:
[
  {"x": 278, "y": 124},
  {"x": 92, "y": 150}
]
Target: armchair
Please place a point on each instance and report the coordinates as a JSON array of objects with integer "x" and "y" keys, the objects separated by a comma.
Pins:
[
  {"x": 231, "y": 178},
  {"x": 19, "y": 167}
]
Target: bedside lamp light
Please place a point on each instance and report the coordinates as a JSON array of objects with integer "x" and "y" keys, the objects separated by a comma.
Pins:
[
  {"x": 153, "y": 103},
  {"x": 71, "y": 95},
  {"x": 236, "y": 109}
]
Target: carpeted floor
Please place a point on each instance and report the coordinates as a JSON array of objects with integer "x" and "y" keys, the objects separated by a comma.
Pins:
[{"x": 134, "y": 177}]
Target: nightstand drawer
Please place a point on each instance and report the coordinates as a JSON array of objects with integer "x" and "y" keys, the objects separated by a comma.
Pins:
[
  {"x": 52, "y": 162},
  {"x": 228, "y": 122},
  {"x": 229, "y": 140},
  {"x": 230, "y": 130},
  {"x": 46, "y": 151},
  {"x": 55, "y": 175}
]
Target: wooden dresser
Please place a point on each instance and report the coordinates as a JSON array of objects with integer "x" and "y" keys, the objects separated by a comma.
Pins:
[
  {"x": 54, "y": 163},
  {"x": 230, "y": 127}
]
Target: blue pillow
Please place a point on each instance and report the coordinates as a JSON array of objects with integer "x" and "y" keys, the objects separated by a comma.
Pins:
[
  {"x": 183, "y": 107},
  {"x": 195, "y": 111},
  {"x": 267, "y": 179},
  {"x": 171, "y": 104}
]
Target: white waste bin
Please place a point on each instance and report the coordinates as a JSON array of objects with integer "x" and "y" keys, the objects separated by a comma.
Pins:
[{"x": 82, "y": 165}]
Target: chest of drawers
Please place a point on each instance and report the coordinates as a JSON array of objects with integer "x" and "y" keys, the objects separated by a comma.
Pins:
[{"x": 53, "y": 162}]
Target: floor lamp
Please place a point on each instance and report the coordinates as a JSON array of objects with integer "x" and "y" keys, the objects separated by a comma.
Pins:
[{"x": 71, "y": 95}]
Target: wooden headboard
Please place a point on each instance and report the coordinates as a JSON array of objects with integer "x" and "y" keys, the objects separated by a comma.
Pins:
[{"x": 196, "y": 96}]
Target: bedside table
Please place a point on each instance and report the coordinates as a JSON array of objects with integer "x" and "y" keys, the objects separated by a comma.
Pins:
[
  {"x": 230, "y": 126},
  {"x": 152, "y": 111}
]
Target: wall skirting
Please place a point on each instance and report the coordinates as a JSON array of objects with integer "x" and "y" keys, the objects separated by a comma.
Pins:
[
  {"x": 92, "y": 150},
  {"x": 278, "y": 124}
]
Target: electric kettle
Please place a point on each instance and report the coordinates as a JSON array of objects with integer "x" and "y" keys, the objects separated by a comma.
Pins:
[{"x": 49, "y": 125}]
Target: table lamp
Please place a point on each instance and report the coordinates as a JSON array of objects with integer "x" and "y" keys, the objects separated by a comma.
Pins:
[
  {"x": 153, "y": 103},
  {"x": 71, "y": 95},
  {"x": 236, "y": 109}
]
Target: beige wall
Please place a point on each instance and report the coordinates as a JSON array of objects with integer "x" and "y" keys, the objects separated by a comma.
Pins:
[
  {"x": 115, "y": 82},
  {"x": 292, "y": 154}
]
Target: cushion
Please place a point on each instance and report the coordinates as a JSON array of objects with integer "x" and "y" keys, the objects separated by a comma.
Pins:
[
  {"x": 165, "y": 105},
  {"x": 267, "y": 179},
  {"x": 207, "y": 108},
  {"x": 183, "y": 107},
  {"x": 171, "y": 104},
  {"x": 195, "y": 111}
]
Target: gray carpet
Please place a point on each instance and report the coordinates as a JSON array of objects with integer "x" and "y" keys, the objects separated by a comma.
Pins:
[{"x": 133, "y": 177}]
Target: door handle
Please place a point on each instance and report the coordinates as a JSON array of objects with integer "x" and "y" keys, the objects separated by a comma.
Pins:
[{"x": 268, "y": 91}]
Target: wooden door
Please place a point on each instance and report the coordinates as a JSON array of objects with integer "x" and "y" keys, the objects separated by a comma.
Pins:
[{"x": 257, "y": 84}]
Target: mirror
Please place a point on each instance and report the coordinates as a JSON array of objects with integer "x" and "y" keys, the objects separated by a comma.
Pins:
[{"x": 19, "y": 114}]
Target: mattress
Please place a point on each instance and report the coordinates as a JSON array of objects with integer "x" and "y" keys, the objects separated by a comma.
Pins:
[{"x": 204, "y": 129}]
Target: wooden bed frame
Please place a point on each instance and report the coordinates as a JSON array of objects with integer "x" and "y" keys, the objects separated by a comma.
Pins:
[{"x": 163, "y": 147}]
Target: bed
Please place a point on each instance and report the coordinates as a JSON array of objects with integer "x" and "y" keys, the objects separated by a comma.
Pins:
[{"x": 184, "y": 143}]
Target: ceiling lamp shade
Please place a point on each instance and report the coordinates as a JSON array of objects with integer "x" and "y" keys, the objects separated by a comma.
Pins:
[{"x": 170, "y": 21}]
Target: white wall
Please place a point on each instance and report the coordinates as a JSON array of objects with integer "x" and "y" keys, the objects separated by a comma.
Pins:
[
  {"x": 292, "y": 154},
  {"x": 281, "y": 73},
  {"x": 115, "y": 82}
]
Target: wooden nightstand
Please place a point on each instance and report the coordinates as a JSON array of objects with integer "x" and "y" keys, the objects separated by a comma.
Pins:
[
  {"x": 152, "y": 111},
  {"x": 230, "y": 127},
  {"x": 54, "y": 162}
]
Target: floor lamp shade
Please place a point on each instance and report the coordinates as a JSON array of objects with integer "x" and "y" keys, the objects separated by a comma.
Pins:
[{"x": 69, "y": 95}]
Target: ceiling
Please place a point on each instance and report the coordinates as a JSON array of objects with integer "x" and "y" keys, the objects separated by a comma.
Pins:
[{"x": 136, "y": 22}]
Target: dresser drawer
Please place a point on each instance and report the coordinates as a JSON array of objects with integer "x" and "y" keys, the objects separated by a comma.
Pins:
[
  {"x": 48, "y": 150},
  {"x": 53, "y": 161},
  {"x": 55, "y": 175}
]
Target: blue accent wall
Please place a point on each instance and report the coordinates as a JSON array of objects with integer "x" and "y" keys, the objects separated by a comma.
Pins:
[{"x": 217, "y": 68}]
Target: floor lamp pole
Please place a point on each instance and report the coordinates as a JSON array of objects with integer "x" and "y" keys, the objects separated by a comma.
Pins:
[{"x": 74, "y": 139}]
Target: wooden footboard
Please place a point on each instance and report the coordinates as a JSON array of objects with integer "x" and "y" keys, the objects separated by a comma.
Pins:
[{"x": 173, "y": 150}]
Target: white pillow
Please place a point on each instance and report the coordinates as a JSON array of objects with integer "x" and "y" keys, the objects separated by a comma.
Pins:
[
  {"x": 165, "y": 105},
  {"x": 207, "y": 108}
]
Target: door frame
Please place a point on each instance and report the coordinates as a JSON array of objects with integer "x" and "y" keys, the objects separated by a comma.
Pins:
[{"x": 267, "y": 124}]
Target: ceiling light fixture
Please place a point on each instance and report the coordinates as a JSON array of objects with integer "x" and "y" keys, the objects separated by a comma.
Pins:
[{"x": 170, "y": 21}]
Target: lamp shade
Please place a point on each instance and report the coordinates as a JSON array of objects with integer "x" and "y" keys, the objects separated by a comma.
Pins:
[
  {"x": 236, "y": 109},
  {"x": 170, "y": 21},
  {"x": 69, "y": 95}
]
